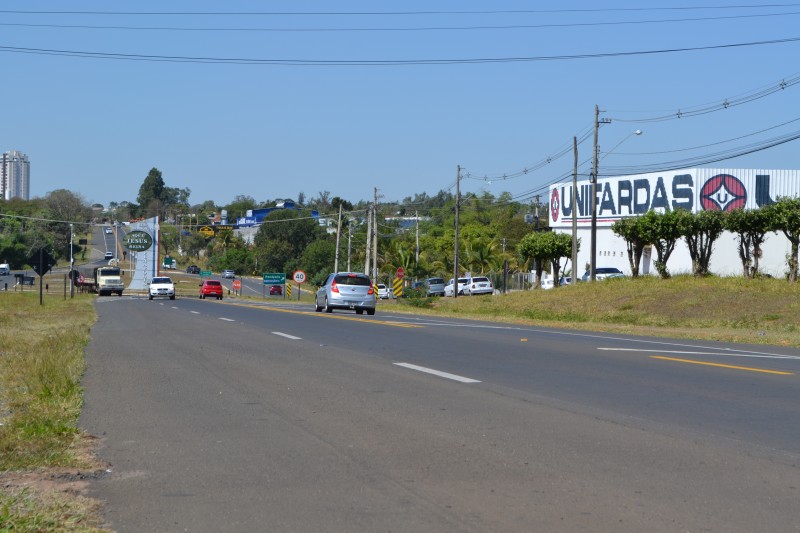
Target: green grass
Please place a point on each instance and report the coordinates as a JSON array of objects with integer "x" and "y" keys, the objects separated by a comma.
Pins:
[
  {"x": 41, "y": 366},
  {"x": 762, "y": 311}
]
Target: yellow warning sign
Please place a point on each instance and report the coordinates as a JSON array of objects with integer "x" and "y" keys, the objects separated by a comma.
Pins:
[
  {"x": 206, "y": 231},
  {"x": 397, "y": 287}
]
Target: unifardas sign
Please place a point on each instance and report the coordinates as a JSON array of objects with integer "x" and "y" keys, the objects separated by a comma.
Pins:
[{"x": 690, "y": 189}]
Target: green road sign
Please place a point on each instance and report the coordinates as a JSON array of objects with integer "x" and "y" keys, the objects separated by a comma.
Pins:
[
  {"x": 275, "y": 279},
  {"x": 205, "y": 273}
]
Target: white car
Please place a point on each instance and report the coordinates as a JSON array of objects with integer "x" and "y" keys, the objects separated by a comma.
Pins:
[
  {"x": 161, "y": 287},
  {"x": 478, "y": 285},
  {"x": 448, "y": 289},
  {"x": 383, "y": 291}
]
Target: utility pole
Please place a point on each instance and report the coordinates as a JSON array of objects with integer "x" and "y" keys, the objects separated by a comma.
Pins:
[
  {"x": 416, "y": 258},
  {"x": 369, "y": 241},
  {"x": 375, "y": 234},
  {"x": 71, "y": 266},
  {"x": 455, "y": 254},
  {"x": 575, "y": 212},
  {"x": 338, "y": 235},
  {"x": 349, "y": 239},
  {"x": 593, "y": 259}
]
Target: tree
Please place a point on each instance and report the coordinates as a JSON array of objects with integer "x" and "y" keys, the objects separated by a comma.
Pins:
[
  {"x": 152, "y": 188},
  {"x": 64, "y": 207},
  {"x": 700, "y": 231},
  {"x": 751, "y": 227},
  {"x": 662, "y": 230},
  {"x": 633, "y": 231},
  {"x": 168, "y": 240},
  {"x": 317, "y": 260},
  {"x": 545, "y": 246},
  {"x": 785, "y": 216}
]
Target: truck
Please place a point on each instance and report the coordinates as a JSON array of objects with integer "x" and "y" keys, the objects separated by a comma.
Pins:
[
  {"x": 169, "y": 263},
  {"x": 108, "y": 280}
]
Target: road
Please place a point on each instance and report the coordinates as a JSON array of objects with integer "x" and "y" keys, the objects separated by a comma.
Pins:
[{"x": 223, "y": 416}]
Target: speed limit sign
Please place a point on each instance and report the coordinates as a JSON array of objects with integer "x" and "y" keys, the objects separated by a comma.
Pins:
[{"x": 299, "y": 276}]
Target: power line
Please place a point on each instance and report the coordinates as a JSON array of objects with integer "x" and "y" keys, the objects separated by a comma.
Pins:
[
  {"x": 377, "y": 62},
  {"x": 404, "y": 29}
]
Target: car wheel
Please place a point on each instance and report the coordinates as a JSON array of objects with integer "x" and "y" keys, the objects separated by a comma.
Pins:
[
  {"x": 328, "y": 308},
  {"x": 172, "y": 297},
  {"x": 317, "y": 308},
  {"x": 359, "y": 311},
  {"x": 202, "y": 297},
  {"x": 150, "y": 297},
  {"x": 370, "y": 312},
  {"x": 219, "y": 297}
]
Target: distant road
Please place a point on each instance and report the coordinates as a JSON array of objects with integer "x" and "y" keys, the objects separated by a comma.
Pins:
[{"x": 217, "y": 416}]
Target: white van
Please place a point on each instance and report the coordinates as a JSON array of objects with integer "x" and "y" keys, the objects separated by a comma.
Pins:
[{"x": 5, "y": 269}]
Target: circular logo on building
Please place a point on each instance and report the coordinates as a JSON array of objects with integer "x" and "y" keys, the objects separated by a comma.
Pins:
[
  {"x": 138, "y": 241},
  {"x": 723, "y": 192},
  {"x": 555, "y": 205}
]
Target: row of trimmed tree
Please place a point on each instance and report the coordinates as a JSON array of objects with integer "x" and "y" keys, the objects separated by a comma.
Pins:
[{"x": 701, "y": 230}]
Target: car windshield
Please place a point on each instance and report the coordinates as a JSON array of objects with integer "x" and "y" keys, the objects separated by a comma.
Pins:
[
  {"x": 213, "y": 283},
  {"x": 436, "y": 281},
  {"x": 608, "y": 270},
  {"x": 463, "y": 280},
  {"x": 352, "y": 279},
  {"x": 479, "y": 280},
  {"x": 162, "y": 280}
]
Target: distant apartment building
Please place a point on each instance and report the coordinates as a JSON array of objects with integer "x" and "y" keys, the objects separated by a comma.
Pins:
[{"x": 15, "y": 176}]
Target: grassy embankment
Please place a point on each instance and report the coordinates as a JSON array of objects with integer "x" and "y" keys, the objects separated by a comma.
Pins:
[
  {"x": 41, "y": 365},
  {"x": 761, "y": 311}
]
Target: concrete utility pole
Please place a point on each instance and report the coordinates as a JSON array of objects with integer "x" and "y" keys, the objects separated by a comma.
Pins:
[
  {"x": 575, "y": 213},
  {"x": 369, "y": 241},
  {"x": 593, "y": 259},
  {"x": 338, "y": 234},
  {"x": 349, "y": 240},
  {"x": 375, "y": 235},
  {"x": 455, "y": 254},
  {"x": 416, "y": 258}
]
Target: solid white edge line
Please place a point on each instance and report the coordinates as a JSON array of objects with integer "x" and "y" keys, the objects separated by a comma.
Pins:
[
  {"x": 227, "y": 319},
  {"x": 195, "y": 312},
  {"x": 287, "y": 336},
  {"x": 438, "y": 373}
]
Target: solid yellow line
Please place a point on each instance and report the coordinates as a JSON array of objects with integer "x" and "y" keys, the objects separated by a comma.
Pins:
[
  {"x": 735, "y": 367},
  {"x": 326, "y": 315}
]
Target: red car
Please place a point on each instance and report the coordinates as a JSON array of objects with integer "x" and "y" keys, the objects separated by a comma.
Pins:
[
  {"x": 212, "y": 288},
  {"x": 276, "y": 290}
]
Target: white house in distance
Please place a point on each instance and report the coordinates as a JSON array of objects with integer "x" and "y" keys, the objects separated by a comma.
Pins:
[{"x": 694, "y": 189}]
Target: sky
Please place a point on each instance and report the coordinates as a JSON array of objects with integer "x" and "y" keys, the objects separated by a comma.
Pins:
[{"x": 270, "y": 99}]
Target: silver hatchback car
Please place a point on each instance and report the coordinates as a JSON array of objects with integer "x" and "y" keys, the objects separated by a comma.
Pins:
[{"x": 346, "y": 290}]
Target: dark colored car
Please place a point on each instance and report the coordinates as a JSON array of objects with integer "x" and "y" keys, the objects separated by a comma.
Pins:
[
  {"x": 211, "y": 288},
  {"x": 276, "y": 290},
  {"x": 193, "y": 269}
]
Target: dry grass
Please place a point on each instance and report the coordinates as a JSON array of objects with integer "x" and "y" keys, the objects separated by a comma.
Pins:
[
  {"x": 41, "y": 366},
  {"x": 762, "y": 311}
]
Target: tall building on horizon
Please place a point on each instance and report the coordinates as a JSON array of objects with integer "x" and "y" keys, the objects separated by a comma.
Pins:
[{"x": 15, "y": 176}]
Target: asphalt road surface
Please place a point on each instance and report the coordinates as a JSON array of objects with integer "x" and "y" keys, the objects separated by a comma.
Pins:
[{"x": 223, "y": 416}]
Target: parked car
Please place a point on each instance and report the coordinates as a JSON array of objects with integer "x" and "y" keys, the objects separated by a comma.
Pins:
[
  {"x": 346, "y": 290},
  {"x": 547, "y": 283},
  {"x": 276, "y": 290},
  {"x": 211, "y": 288},
  {"x": 448, "y": 289},
  {"x": 478, "y": 285},
  {"x": 383, "y": 291},
  {"x": 193, "y": 269},
  {"x": 161, "y": 287},
  {"x": 601, "y": 273},
  {"x": 228, "y": 274},
  {"x": 434, "y": 287}
]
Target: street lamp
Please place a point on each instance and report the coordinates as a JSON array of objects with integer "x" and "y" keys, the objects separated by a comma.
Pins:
[{"x": 593, "y": 265}]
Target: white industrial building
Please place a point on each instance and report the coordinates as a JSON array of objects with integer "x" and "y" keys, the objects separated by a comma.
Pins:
[
  {"x": 15, "y": 176},
  {"x": 694, "y": 189}
]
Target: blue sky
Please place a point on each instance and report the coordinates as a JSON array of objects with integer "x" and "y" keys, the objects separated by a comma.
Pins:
[{"x": 96, "y": 125}]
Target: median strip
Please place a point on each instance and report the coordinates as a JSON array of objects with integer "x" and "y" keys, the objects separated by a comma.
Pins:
[{"x": 446, "y": 375}]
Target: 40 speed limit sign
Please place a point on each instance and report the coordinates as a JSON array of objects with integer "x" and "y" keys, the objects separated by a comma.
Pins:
[{"x": 299, "y": 276}]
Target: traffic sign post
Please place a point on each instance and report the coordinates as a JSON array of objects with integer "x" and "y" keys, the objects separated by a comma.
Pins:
[
  {"x": 400, "y": 273},
  {"x": 277, "y": 278},
  {"x": 299, "y": 277},
  {"x": 397, "y": 287},
  {"x": 237, "y": 286}
]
